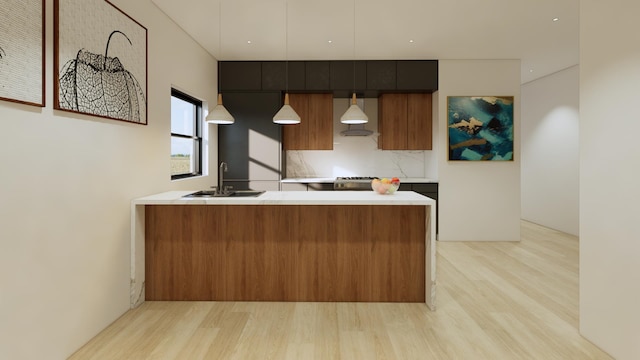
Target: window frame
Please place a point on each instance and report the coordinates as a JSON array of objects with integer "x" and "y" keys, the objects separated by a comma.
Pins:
[{"x": 198, "y": 136}]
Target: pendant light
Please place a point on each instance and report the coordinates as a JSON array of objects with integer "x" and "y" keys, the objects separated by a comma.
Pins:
[
  {"x": 219, "y": 114},
  {"x": 354, "y": 115},
  {"x": 286, "y": 115}
]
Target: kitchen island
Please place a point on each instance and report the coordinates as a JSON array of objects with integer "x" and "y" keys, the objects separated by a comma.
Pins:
[{"x": 284, "y": 246}]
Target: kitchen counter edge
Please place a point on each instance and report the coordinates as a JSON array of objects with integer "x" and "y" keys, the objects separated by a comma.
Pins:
[
  {"x": 291, "y": 198},
  {"x": 331, "y": 180}
]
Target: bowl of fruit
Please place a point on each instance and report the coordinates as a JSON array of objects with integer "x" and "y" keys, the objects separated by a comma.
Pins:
[{"x": 385, "y": 185}]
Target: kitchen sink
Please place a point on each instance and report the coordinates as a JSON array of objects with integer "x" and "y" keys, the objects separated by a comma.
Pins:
[{"x": 235, "y": 193}]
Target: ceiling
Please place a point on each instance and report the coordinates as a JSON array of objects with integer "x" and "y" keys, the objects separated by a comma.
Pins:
[{"x": 383, "y": 29}]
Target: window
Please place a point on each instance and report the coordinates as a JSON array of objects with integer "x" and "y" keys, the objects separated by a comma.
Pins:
[{"x": 186, "y": 135}]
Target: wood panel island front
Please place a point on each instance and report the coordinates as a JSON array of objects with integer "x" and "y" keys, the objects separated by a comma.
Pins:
[{"x": 284, "y": 246}]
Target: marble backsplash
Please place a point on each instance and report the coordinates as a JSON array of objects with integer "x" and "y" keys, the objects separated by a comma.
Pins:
[{"x": 358, "y": 155}]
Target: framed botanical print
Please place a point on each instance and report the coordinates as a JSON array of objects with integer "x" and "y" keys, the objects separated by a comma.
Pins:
[
  {"x": 100, "y": 59},
  {"x": 22, "y": 51}
]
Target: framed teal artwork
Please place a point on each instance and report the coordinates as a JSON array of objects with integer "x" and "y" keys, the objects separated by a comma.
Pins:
[{"x": 480, "y": 128}]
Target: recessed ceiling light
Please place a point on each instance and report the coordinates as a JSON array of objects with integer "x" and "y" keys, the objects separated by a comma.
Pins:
[
  {"x": 411, "y": 41},
  {"x": 530, "y": 70},
  {"x": 248, "y": 41},
  {"x": 330, "y": 41},
  {"x": 556, "y": 19}
]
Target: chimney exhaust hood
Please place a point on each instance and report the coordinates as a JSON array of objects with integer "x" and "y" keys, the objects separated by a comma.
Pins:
[{"x": 356, "y": 130}]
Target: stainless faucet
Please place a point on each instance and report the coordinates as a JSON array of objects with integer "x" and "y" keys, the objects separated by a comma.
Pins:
[{"x": 221, "y": 188}]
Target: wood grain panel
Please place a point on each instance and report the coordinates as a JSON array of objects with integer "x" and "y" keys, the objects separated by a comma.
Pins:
[
  {"x": 392, "y": 121},
  {"x": 315, "y": 131},
  {"x": 296, "y": 137},
  {"x": 285, "y": 253},
  {"x": 320, "y": 122},
  {"x": 419, "y": 122}
]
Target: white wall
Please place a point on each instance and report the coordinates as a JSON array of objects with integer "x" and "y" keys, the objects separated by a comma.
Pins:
[
  {"x": 479, "y": 201},
  {"x": 550, "y": 150},
  {"x": 609, "y": 173},
  {"x": 66, "y": 186}
]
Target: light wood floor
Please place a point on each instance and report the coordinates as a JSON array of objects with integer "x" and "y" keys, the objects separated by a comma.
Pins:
[{"x": 495, "y": 301}]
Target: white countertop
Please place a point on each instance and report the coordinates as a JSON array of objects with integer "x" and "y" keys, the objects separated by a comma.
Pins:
[
  {"x": 330, "y": 180},
  {"x": 291, "y": 198}
]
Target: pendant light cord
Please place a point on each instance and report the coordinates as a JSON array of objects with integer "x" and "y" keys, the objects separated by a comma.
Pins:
[
  {"x": 354, "y": 46},
  {"x": 220, "y": 28},
  {"x": 286, "y": 45}
]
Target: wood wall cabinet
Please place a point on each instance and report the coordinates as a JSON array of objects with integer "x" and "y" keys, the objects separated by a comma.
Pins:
[
  {"x": 405, "y": 122},
  {"x": 315, "y": 131}
]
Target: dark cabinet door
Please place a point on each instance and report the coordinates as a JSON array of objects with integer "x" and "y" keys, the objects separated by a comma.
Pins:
[
  {"x": 343, "y": 82},
  {"x": 274, "y": 75},
  {"x": 239, "y": 75},
  {"x": 253, "y": 112},
  {"x": 426, "y": 189},
  {"x": 381, "y": 75},
  {"x": 318, "y": 75},
  {"x": 419, "y": 75}
]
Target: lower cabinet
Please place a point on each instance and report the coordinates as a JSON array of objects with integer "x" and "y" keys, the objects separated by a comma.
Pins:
[
  {"x": 293, "y": 187},
  {"x": 429, "y": 190},
  {"x": 319, "y": 186},
  {"x": 306, "y": 186}
]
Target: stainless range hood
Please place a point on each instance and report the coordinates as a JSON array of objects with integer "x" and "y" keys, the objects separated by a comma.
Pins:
[{"x": 356, "y": 130}]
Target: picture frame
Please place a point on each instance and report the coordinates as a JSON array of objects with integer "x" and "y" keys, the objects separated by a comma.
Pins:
[
  {"x": 480, "y": 128},
  {"x": 100, "y": 61},
  {"x": 23, "y": 52}
]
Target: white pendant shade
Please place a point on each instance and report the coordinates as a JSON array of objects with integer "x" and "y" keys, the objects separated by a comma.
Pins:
[
  {"x": 354, "y": 115},
  {"x": 219, "y": 114},
  {"x": 286, "y": 115}
]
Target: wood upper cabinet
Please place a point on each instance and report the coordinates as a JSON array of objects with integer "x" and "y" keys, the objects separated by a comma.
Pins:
[
  {"x": 315, "y": 131},
  {"x": 405, "y": 122}
]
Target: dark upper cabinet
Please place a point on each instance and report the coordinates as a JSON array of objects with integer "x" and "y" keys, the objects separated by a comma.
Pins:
[
  {"x": 318, "y": 75},
  {"x": 253, "y": 112},
  {"x": 421, "y": 75},
  {"x": 274, "y": 75},
  {"x": 372, "y": 77},
  {"x": 239, "y": 75},
  {"x": 343, "y": 82},
  {"x": 381, "y": 75}
]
